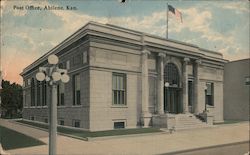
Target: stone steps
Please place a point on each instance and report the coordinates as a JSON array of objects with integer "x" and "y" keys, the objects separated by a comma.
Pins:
[{"x": 188, "y": 121}]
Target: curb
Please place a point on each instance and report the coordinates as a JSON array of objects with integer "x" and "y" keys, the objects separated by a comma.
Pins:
[
  {"x": 126, "y": 136},
  {"x": 98, "y": 138}
]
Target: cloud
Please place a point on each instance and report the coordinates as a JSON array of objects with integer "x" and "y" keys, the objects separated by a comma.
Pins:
[{"x": 238, "y": 7}]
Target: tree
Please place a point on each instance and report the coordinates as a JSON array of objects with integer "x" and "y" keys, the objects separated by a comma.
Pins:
[{"x": 11, "y": 99}]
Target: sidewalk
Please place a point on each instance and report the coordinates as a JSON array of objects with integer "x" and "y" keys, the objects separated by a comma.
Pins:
[{"x": 151, "y": 144}]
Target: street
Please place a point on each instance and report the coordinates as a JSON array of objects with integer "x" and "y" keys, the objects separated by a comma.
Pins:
[{"x": 241, "y": 148}]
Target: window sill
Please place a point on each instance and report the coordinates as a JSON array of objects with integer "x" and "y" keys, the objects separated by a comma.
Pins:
[
  {"x": 119, "y": 106},
  {"x": 210, "y": 106},
  {"x": 32, "y": 107},
  {"x": 61, "y": 106},
  {"x": 75, "y": 106}
]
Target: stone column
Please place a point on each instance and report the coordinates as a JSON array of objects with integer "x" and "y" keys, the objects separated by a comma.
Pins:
[
  {"x": 160, "y": 84},
  {"x": 196, "y": 85},
  {"x": 185, "y": 85},
  {"x": 146, "y": 117}
]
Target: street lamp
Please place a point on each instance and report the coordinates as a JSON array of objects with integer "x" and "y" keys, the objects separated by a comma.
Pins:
[
  {"x": 206, "y": 98},
  {"x": 53, "y": 75}
]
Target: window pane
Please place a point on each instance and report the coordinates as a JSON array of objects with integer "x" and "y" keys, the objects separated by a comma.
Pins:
[
  {"x": 121, "y": 83},
  {"x": 62, "y": 99},
  {"x": 77, "y": 82},
  {"x": 114, "y": 82},
  {"x": 122, "y": 97},
  {"x": 117, "y": 83},
  {"x": 78, "y": 97},
  {"x": 115, "y": 97},
  {"x": 209, "y": 89},
  {"x": 62, "y": 89}
]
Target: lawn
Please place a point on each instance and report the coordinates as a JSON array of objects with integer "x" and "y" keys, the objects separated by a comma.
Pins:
[
  {"x": 85, "y": 134},
  {"x": 11, "y": 139}
]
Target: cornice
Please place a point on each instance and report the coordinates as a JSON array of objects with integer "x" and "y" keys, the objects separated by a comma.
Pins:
[{"x": 131, "y": 37}]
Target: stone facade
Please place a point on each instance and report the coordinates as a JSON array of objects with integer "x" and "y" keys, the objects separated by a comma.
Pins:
[{"x": 96, "y": 52}]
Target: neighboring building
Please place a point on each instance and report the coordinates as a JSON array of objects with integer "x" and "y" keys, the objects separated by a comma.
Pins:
[
  {"x": 237, "y": 90},
  {"x": 122, "y": 78}
]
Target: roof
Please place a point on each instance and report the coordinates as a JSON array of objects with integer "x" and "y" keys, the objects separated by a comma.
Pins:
[{"x": 135, "y": 36}]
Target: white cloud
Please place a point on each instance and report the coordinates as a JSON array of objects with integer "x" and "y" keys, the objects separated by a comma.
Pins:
[
  {"x": 194, "y": 19},
  {"x": 241, "y": 6}
]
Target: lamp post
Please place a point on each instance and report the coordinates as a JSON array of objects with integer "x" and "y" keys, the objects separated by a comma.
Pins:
[
  {"x": 206, "y": 98},
  {"x": 53, "y": 75}
]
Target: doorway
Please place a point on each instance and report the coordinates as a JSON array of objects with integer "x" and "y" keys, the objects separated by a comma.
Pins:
[
  {"x": 172, "y": 91},
  {"x": 172, "y": 100}
]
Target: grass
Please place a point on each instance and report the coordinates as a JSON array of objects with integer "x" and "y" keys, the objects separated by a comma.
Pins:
[
  {"x": 11, "y": 139},
  {"x": 228, "y": 122},
  {"x": 85, "y": 134}
]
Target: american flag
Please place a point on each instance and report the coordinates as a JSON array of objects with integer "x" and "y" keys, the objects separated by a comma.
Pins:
[{"x": 175, "y": 12}]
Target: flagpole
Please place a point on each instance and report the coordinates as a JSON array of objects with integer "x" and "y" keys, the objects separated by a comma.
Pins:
[{"x": 167, "y": 23}]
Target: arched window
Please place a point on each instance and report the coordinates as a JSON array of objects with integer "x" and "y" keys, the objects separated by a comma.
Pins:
[{"x": 171, "y": 74}]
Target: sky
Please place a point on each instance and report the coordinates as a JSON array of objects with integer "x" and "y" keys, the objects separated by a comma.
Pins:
[{"x": 26, "y": 34}]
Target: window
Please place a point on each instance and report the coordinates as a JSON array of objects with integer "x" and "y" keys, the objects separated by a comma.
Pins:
[
  {"x": 44, "y": 93},
  {"x": 171, "y": 74},
  {"x": 24, "y": 99},
  {"x": 38, "y": 93},
  {"x": 32, "y": 118},
  {"x": 77, "y": 59},
  {"x": 60, "y": 94},
  {"x": 210, "y": 94},
  {"x": 61, "y": 122},
  {"x": 76, "y": 88},
  {"x": 28, "y": 82},
  {"x": 62, "y": 65},
  {"x": 32, "y": 92},
  {"x": 76, "y": 123},
  {"x": 68, "y": 64},
  {"x": 247, "y": 82},
  {"x": 119, "y": 125},
  {"x": 119, "y": 89},
  {"x": 85, "y": 59}
]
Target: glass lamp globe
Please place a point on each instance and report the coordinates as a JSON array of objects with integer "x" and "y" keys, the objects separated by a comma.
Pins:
[
  {"x": 53, "y": 59},
  {"x": 166, "y": 84},
  {"x": 40, "y": 76},
  {"x": 65, "y": 78},
  {"x": 56, "y": 76}
]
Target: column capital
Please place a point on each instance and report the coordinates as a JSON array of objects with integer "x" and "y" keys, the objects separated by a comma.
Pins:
[
  {"x": 186, "y": 60},
  {"x": 198, "y": 61},
  {"x": 145, "y": 51},
  {"x": 162, "y": 55}
]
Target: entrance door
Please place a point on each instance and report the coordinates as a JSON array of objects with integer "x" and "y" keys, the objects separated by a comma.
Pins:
[{"x": 172, "y": 100}]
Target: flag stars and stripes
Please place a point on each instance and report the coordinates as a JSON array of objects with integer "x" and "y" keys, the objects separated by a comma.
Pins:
[{"x": 175, "y": 12}]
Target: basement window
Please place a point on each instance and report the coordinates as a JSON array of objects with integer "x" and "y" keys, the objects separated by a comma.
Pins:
[
  {"x": 61, "y": 122},
  {"x": 32, "y": 118},
  {"x": 76, "y": 123},
  {"x": 119, "y": 125}
]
